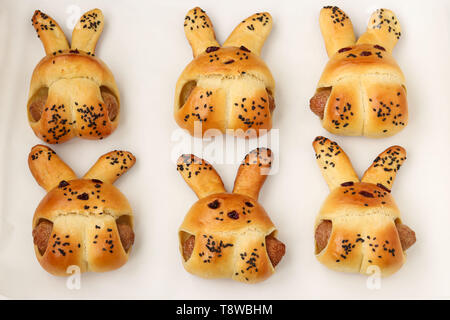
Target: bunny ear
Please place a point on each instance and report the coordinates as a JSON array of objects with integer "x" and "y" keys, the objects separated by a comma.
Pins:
[
  {"x": 87, "y": 31},
  {"x": 333, "y": 162},
  {"x": 199, "y": 31},
  {"x": 47, "y": 168},
  {"x": 383, "y": 29},
  {"x": 251, "y": 33},
  {"x": 253, "y": 172},
  {"x": 110, "y": 166},
  {"x": 384, "y": 168},
  {"x": 49, "y": 32},
  {"x": 336, "y": 28},
  {"x": 199, "y": 175}
]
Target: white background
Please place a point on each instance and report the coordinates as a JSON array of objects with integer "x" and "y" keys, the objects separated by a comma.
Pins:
[{"x": 144, "y": 45}]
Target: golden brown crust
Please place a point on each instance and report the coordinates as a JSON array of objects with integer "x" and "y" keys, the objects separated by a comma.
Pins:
[
  {"x": 386, "y": 107},
  {"x": 87, "y": 31},
  {"x": 363, "y": 216},
  {"x": 275, "y": 249},
  {"x": 323, "y": 233},
  {"x": 333, "y": 162},
  {"x": 228, "y": 228},
  {"x": 110, "y": 166},
  {"x": 336, "y": 28},
  {"x": 344, "y": 112},
  {"x": 199, "y": 175},
  {"x": 252, "y": 172},
  {"x": 72, "y": 82},
  {"x": 92, "y": 221},
  {"x": 251, "y": 32},
  {"x": 226, "y": 87},
  {"x": 47, "y": 167},
  {"x": 363, "y": 76},
  {"x": 199, "y": 31},
  {"x": 49, "y": 32},
  {"x": 383, "y": 29},
  {"x": 224, "y": 234},
  {"x": 384, "y": 168}
]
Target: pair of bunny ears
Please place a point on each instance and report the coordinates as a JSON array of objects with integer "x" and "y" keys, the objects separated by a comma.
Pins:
[
  {"x": 205, "y": 181},
  {"x": 250, "y": 33},
  {"x": 383, "y": 30},
  {"x": 338, "y": 170},
  {"x": 84, "y": 36},
  {"x": 49, "y": 170}
]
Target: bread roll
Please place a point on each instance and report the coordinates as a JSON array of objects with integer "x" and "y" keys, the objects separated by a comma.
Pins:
[
  {"x": 229, "y": 86},
  {"x": 72, "y": 92},
  {"x": 229, "y": 235},
  {"x": 362, "y": 91},
  {"x": 83, "y": 222},
  {"x": 359, "y": 225}
]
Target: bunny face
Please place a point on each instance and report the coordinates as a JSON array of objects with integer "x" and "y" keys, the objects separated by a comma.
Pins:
[
  {"x": 72, "y": 92},
  {"x": 362, "y": 89},
  {"x": 227, "y": 87},
  {"x": 364, "y": 222},
  {"x": 228, "y": 232},
  {"x": 84, "y": 222}
]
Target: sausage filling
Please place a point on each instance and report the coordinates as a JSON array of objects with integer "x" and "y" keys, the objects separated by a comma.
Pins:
[
  {"x": 271, "y": 101},
  {"x": 275, "y": 249},
  {"x": 37, "y": 104},
  {"x": 323, "y": 233},
  {"x": 319, "y": 101},
  {"x": 41, "y": 235},
  {"x": 111, "y": 104},
  {"x": 126, "y": 235},
  {"x": 43, "y": 231}
]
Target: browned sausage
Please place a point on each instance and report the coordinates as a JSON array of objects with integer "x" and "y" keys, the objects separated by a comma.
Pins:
[
  {"x": 43, "y": 231},
  {"x": 275, "y": 249},
  {"x": 271, "y": 101},
  {"x": 36, "y": 107},
  {"x": 188, "y": 247},
  {"x": 41, "y": 235},
  {"x": 323, "y": 233},
  {"x": 111, "y": 105},
  {"x": 319, "y": 101},
  {"x": 407, "y": 236},
  {"x": 126, "y": 235}
]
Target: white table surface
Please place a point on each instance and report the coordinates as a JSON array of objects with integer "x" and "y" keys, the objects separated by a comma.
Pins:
[{"x": 144, "y": 45}]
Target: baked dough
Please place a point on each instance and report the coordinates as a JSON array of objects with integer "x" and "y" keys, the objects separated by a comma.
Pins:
[
  {"x": 231, "y": 230},
  {"x": 362, "y": 91},
  {"x": 82, "y": 222},
  {"x": 72, "y": 92},
  {"x": 362, "y": 214},
  {"x": 229, "y": 86}
]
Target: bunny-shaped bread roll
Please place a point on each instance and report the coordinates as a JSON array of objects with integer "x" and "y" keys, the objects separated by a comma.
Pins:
[
  {"x": 229, "y": 235},
  {"x": 72, "y": 92},
  {"x": 359, "y": 224},
  {"x": 83, "y": 222},
  {"x": 362, "y": 90},
  {"x": 226, "y": 87}
]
